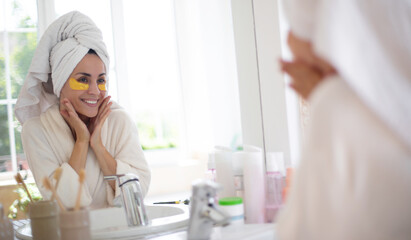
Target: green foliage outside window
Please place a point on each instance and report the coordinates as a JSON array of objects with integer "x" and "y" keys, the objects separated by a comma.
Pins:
[
  {"x": 21, "y": 204},
  {"x": 20, "y": 59},
  {"x": 4, "y": 135},
  {"x": 2, "y": 73},
  {"x": 151, "y": 138}
]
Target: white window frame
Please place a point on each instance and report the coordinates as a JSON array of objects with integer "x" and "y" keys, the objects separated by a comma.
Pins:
[
  {"x": 9, "y": 101},
  {"x": 120, "y": 87}
]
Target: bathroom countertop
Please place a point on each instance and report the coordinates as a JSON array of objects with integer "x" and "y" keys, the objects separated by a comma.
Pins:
[{"x": 231, "y": 232}]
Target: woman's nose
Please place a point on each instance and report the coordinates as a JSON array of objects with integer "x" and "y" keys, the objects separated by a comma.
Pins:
[{"x": 93, "y": 89}]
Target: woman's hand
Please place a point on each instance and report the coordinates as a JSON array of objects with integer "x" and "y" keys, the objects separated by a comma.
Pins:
[
  {"x": 97, "y": 122},
  {"x": 304, "y": 76},
  {"x": 79, "y": 128},
  {"x": 107, "y": 163}
]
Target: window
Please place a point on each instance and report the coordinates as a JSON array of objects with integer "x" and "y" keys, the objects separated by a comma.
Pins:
[
  {"x": 153, "y": 72},
  {"x": 18, "y": 40}
]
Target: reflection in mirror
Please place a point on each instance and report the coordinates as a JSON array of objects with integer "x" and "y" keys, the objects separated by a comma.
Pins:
[
  {"x": 174, "y": 70},
  {"x": 175, "y": 67}
]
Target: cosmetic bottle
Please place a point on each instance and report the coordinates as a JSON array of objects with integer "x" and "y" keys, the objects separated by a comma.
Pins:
[
  {"x": 224, "y": 171},
  {"x": 275, "y": 184},
  {"x": 234, "y": 208},
  {"x": 288, "y": 178},
  {"x": 238, "y": 170},
  {"x": 210, "y": 174},
  {"x": 254, "y": 184}
]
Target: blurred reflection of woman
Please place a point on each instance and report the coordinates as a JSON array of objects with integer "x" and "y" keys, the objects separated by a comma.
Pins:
[
  {"x": 68, "y": 119},
  {"x": 351, "y": 60}
]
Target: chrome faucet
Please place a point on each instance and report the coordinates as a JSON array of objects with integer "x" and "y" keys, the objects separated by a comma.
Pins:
[
  {"x": 204, "y": 211},
  {"x": 132, "y": 198}
]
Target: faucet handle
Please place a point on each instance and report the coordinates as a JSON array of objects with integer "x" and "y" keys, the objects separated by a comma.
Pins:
[
  {"x": 122, "y": 178},
  {"x": 204, "y": 210},
  {"x": 113, "y": 177}
]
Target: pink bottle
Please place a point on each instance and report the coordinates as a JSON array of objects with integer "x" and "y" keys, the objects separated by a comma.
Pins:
[
  {"x": 210, "y": 174},
  {"x": 275, "y": 184}
]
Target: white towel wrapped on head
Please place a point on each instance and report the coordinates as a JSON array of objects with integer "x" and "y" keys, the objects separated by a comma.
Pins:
[
  {"x": 62, "y": 46},
  {"x": 373, "y": 60}
]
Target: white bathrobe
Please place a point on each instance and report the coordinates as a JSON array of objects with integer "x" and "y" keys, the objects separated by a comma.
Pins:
[
  {"x": 354, "y": 180},
  {"x": 48, "y": 144}
]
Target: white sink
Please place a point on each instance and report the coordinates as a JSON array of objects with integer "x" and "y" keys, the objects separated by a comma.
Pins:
[
  {"x": 232, "y": 232},
  {"x": 163, "y": 219}
]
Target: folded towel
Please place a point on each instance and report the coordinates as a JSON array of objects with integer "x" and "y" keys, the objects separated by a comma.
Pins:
[{"x": 62, "y": 46}]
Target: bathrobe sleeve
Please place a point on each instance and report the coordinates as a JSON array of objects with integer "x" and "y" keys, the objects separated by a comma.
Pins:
[
  {"x": 44, "y": 158},
  {"x": 122, "y": 141}
]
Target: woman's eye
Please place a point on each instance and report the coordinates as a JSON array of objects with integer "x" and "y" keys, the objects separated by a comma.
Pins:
[
  {"x": 82, "y": 80},
  {"x": 101, "y": 81}
]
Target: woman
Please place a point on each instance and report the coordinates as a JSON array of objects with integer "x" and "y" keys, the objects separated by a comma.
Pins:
[
  {"x": 354, "y": 179},
  {"x": 68, "y": 119}
]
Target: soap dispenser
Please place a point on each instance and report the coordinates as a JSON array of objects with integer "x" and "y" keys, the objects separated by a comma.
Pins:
[{"x": 6, "y": 227}]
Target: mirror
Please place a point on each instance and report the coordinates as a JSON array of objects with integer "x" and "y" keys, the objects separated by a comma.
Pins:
[
  {"x": 270, "y": 117},
  {"x": 173, "y": 67},
  {"x": 194, "y": 74}
]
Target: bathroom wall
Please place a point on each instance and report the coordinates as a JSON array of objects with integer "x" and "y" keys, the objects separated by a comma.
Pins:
[{"x": 175, "y": 179}]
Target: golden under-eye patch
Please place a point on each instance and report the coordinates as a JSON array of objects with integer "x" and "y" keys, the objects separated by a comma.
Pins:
[
  {"x": 102, "y": 87},
  {"x": 76, "y": 85}
]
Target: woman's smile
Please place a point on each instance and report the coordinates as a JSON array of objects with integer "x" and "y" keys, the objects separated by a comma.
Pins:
[{"x": 90, "y": 102}]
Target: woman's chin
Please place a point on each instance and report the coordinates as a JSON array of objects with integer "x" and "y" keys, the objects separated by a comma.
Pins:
[{"x": 88, "y": 114}]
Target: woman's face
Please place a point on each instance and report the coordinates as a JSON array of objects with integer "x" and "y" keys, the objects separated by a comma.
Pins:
[{"x": 85, "y": 88}]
